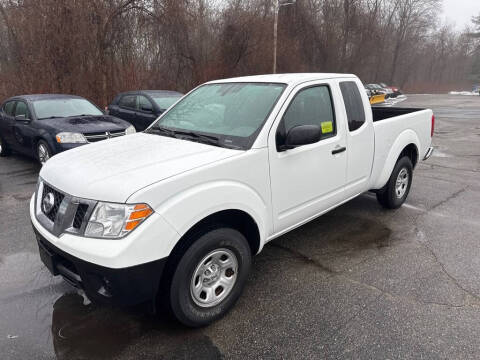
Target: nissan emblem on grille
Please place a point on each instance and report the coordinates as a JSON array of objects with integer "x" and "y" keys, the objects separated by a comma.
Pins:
[{"x": 48, "y": 202}]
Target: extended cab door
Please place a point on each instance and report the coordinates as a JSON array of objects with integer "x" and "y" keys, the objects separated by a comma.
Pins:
[
  {"x": 360, "y": 137},
  {"x": 309, "y": 179}
]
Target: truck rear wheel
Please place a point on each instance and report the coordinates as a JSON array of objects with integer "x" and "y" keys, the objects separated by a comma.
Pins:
[
  {"x": 209, "y": 277},
  {"x": 395, "y": 192}
]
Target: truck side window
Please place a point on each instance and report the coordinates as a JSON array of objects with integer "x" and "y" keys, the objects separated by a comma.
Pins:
[
  {"x": 311, "y": 106},
  {"x": 353, "y": 104},
  {"x": 128, "y": 101}
]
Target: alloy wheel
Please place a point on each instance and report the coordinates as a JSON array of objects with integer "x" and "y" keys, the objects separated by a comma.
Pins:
[
  {"x": 43, "y": 154},
  {"x": 401, "y": 183}
]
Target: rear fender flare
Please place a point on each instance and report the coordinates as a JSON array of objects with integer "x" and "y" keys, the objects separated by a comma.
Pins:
[{"x": 406, "y": 138}]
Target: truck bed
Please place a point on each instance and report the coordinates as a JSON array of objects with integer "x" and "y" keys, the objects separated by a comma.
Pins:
[
  {"x": 383, "y": 113},
  {"x": 393, "y": 127}
]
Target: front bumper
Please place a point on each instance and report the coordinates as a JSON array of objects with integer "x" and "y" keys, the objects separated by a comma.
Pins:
[
  {"x": 58, "y": 148},
  {"x": 116, "y": 286},
  {"x": 153, "y": 240}
]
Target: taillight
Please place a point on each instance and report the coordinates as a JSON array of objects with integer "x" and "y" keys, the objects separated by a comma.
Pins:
[{"x": 433, "y": 126}]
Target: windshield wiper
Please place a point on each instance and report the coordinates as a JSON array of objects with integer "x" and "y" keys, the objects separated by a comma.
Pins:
[
  {"x": 51, "y": 117},
  {"x": 208, "y": 139},
  {"x": 162, "y": 130}
]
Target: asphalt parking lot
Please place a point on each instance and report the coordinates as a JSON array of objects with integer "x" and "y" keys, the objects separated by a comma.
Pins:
[{"x": 359, "y": 282}]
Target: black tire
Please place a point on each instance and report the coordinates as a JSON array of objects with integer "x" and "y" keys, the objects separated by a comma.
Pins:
[
  {"x": 40, "y": 144},
  {"x": 388, "y": 196},
  {"x": 4, "y": 150},
  {"x": 181, "y": 299}
]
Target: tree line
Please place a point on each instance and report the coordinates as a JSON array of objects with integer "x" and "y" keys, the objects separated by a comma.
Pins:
[{"x": 97, "y": 48}]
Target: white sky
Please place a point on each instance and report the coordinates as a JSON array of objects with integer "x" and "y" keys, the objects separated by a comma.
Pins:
[{"x": 460, "y": 12}]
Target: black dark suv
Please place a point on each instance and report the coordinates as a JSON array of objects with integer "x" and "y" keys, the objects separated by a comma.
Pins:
[
  {"x": 142, "y": 107},
  {"x": 44, "y": 125}
]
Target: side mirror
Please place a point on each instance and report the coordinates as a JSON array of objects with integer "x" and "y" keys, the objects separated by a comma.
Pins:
[
  {"x": 147, "y": 108},
  {"x": 302, "y": 135},
  {"x": 21, "y": 118}
]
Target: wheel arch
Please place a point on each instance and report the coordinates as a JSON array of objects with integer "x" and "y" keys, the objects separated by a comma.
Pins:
[
  {"x": 410, "y": 151},
  {"x": 233, "y": 218},
  {"x": 406, "y": 144},
  {"x": 42, "y": 137}
]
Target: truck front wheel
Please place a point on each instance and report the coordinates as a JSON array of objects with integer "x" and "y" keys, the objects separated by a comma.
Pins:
[
  {"x": 209, "y": 277},
  {"x": 395, "y": 192}
]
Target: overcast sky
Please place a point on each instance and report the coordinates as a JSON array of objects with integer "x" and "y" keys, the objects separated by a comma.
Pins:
[{"x": 460, "y": 11}]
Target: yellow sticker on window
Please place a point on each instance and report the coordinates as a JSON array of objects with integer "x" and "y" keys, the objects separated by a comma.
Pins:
[{"x": 327, "y": 127}]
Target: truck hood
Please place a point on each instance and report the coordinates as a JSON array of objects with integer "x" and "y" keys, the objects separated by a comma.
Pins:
[{"x": 112, "y": 170}]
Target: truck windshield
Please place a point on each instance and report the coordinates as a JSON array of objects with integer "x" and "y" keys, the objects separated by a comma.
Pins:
[
  {"x": 223, "y": 114},
  {"x": 51, "y": 108}
]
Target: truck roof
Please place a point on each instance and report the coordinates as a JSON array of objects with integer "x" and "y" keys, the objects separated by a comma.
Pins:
[{"x": 289, "y": 79}]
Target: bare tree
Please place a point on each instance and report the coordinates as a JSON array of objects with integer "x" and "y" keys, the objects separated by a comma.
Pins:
[{"x": 97, "y": 48}]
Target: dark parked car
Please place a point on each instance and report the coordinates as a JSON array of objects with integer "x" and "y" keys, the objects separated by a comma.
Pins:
[
  {"x": 376, "y": 89},
  {"x": 44, "y": 125},
  {"x": 395, "y": 90},
  {"x": 142, "y": 107}
]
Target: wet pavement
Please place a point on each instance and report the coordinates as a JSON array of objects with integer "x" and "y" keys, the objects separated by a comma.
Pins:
[{"x": 359, "y": 282}]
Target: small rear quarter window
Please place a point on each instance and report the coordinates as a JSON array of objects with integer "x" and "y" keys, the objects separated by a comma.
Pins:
[{"x": 353, "y": 104}]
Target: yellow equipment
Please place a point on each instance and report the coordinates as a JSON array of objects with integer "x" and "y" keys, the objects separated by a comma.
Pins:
[{"x": 377, "y": 99}]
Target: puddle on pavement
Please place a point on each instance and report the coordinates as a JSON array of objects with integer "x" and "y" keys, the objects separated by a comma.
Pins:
[
  {"x": 335, "y": 243},
  {"x": 44, "y": 315},
  {"x": 96, "y": 332},
  {"x": 99, "y": 332},
  {"x": 332, "y": 233}
]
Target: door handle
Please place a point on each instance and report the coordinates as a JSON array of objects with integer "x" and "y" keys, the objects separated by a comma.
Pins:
[{"x": 338, "y": 150}]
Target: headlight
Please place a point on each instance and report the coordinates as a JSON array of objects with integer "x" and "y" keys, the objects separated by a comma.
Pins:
[
  {"x": 130, "y": 130},
  {"x": 70, "y": 138},
  {"x": 113, "y": 221}
]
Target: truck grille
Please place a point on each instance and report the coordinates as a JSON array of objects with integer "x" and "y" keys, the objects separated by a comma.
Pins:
[
  {"x": 51, "y": 212},
  {"x": 60, "y": 212},
  {"x": 99, "y": 136},
  {"x": 79, "y": 216}
]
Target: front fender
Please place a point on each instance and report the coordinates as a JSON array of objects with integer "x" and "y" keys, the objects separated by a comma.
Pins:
[
  {"x": 44, "y": 135},
  {"x": 405, "y": 138},
  {"x": 187, "y": 208}
]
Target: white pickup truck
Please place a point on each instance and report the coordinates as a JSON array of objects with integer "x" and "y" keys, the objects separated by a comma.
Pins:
[{"x": 173, "y": 215}]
